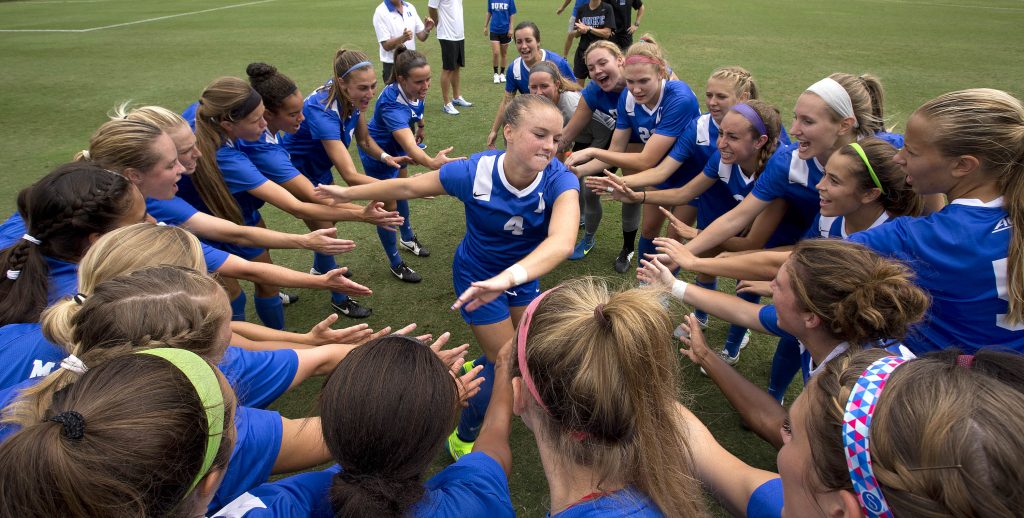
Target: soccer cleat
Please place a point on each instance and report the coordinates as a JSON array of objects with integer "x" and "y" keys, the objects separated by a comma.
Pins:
[
  {"x": 449, "y": 109},
  {"x": 457, "y": 447},
  {"x": 350, "y": 308},
  {"x": 406, "y": 274},
  {"x": 313, "y": 271},
  {"x": 724, "y": 355},
  {"x": 287, "y": 298},
  {"x": 681, "y": 330},
  {"x": 461, "y": 101},
  {"x": 497, "y": 78},
  {"x": 502, "y": 77},
  {"x": 623, "y": 261},
  {"x": 582, "y": 248},
  {"x": 413, "y": 245}
]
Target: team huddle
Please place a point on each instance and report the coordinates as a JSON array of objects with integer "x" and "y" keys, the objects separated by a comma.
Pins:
[{"x": 132, "y": 385}]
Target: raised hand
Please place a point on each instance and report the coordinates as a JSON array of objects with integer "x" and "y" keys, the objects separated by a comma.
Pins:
[
  {"x": 676, "y": 252},
  {"x": 335, "y": 280},
  {"x": 325, "y": 242},
  {"x": 653, "y": 273},
  {"x": 322, "y": 333},
  {"x": 332, "y": 193},
  {"x": 374, "y": 213},
  {"x": 685, "y": 231},
  {"x": 698, "y": 351}
]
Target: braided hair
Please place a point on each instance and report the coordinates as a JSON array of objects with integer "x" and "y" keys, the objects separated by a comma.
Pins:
[{"x": 60, "y": 211}]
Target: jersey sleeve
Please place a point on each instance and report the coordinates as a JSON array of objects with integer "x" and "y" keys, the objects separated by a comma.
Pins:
[
  {"x": 622, "y": 121},
  {"x": 457, "y": 178},
  {"x": 380, "y": 27},
  {"x": 273, "y": 161},
  {"x": 888, "y": 240},
  {"x": 814, "y": 231},
  {"x": 215, "y": 257},
  {"x": 433, "y": 4},
  {"x": 475, "y": 485},
  {"x": 305, "y": 494},
  {"x": 257, "y": 443},
  {"x": 395, "y": 117},
  {"x": 564, "y": 180},
  {"x": 772, "y": 182},
  {"x": 679, "y": 112},
  {"x": 239, "y": 173},
  {"x": 324, "y": 124},
  {"x": 259, "y": 377},
  {"x": 512, "y": 8},
  {"x": 769, "y": 318},
  {"x": 766, "y": 501},
  {"x": 711, "y": 167},
  {"x": 510, "y": 81},
  {"x": 684, "y": 146},
  {"x": 609, "y": 20},
  {"x": 174, "y": 211},
  {"x": 565, "y": 69}
]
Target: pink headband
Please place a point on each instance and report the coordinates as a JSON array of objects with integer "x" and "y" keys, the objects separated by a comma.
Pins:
[
  {"x": 633, "y": 60},
  {"x": 524, "y": 328}
]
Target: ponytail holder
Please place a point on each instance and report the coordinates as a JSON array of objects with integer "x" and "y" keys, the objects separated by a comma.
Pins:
[
  {"x": 579, "y": 436},
  {"x": 207, "y": 387},
  {"x": 13, "y": 274},
  {"x": 85, "y": 154},
  {"x": 355, "y": 67},
  {"x": 965, "y": 360},
  {"x": 635, "y": 59},
  {"x": 836, "y": 97},
  {"x": 600, "y": 317},
  {"x": 74, "y": 364},
  {"x": 751, "y": 115},
  {"x": 72, "y": 424},
  {"x": 31, "y": 239},
  {"x": 79, "y": 298},
  {"x": 874, "y": 178}
]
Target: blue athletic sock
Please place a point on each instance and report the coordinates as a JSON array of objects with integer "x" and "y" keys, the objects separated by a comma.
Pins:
[
  {"x": 270, "y": 311},
  {"x": 735, "y": 335},
  {"x": 388, "y": 240},
  {"x": 238, "y": 307},
  {"x": 713, "y": 285},
  {"x": 645, "y": 246},
  {"x": 406, "y": 228},
  {"x": 473, "y": 415},
  {"x": 785, "y": 365},
  {"x": 323, "y": 263}
]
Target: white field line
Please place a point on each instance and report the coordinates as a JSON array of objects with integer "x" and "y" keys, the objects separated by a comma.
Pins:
[
  {"x": 939, "y": 4},
  {"x": 136, "y": 22}
]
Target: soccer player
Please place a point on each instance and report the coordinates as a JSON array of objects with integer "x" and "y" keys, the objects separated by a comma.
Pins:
[
  {"x": 498, "y": 25},
  {"x": 594, "y": 20}
]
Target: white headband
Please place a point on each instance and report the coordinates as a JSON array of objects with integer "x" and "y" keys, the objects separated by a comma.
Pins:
[{"x": 836, "y": 97}]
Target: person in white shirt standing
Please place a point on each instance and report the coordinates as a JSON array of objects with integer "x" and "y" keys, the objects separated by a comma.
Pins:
[
  {"x": 396, "y": 23},
  {"x": 451, "y": 33}
]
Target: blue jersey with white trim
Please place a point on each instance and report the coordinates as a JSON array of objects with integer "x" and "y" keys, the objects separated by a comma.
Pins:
[
  {"x": 692, "y": 150},
  {"x": 517, "y": 75},
  {"x": 501, "y": 15},
  {"x": 503, "y": 224},
  {"x": 270, "y": 157},
  {"x": 604, "y": 105},
  {"x": 322, "y": 122},
  {"x": 392, "y": 112},
  {"x": 677, "y": 107},
  {"x": 835, "y": 226},
  {"x": 960, "y": 257},
  {"x": 25, "y": 353},
  {"x": 793, "y": 179}
]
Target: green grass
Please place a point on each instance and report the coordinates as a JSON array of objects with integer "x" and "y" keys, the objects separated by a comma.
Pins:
[{"x": 57, "y": 88}]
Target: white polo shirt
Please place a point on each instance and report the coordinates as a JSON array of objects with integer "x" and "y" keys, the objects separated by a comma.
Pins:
[
  {"x": 450, "y": 25},
  {"x": 388, "y": 23}
]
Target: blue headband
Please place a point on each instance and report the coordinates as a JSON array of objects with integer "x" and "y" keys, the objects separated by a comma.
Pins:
[{"x": 357, "y": 66}]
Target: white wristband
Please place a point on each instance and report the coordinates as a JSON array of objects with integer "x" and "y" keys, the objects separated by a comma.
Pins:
[
  {"x": 384, "y": 156},
  {"x": 679, "y": 288},
  {"x": 519, "y": 275}
]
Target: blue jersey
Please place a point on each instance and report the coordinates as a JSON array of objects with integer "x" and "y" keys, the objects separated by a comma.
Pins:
[
  {"x": 63, "y": 276},
  {"x": 501, "y": 15},
  {"x": 475, "y": 485},
  {"x": 766, "y": 501},
  {"x": 604, "y": 105},
  {"x": 190, "y": 115},
  {"x": 25, "y": 353},
  {"x": 270, "y": 157},
  {"x": 258, "y": 436},
  {"x": 960, "y": 257},
  {"x": 176, "y": 212},
  {"x": 789, "y": 177},
  {"x": 835, "y": 226},
  {"x": 503, "y": 224},
  {"x": 392, "y": 112},
  {"x": 259, "y": 377},
  {"x": 692, "y": 150},
  {"x": 625, "y": 502},
  {"x": 517, "y": 74},
  {"x": 239, "y": 175},
  {"x": 322, "y": 122},
  {"x": 677, "y": 107},
  {"x": 896, "y": 139}
]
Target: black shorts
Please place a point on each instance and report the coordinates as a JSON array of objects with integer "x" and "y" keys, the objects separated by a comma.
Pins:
[
  {"x": 386, "y": 71},
  {"x": 501, "y": 37},
  {"x": 579, "y": 65},
  {"x": 453, "y": 54}
]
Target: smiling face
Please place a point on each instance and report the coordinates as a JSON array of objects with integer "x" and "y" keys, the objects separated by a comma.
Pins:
[
  {"x": 360, "y": 85},
  {"x": 790, "y": 312},
  {"x": 604, "y": 68},
  {"x": 527, "y": 43},
  {"x": 159, "y": 181},
  {"x": 249, "y": 128},
  {"x": 839, "y": 190},
  {"x": 928, "y": 170},
  {"x": 736, "y": 140},
  {"x": 288, "y": 116},
  {"x": 814, "y": 128},
  {"x": 185, "y": 144},
  {"x": 720, "y": 95},
  {"x": 534, "y": 142},
  {"x": 416, "y": 84},
  {"x": 644, "y": 82},
  {"x": 541, "y": 83}
]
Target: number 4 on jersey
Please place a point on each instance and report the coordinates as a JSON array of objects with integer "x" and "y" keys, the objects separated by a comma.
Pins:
[{"x": 515, "y": 225}]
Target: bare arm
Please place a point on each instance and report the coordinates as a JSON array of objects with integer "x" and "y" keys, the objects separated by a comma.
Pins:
[
  {"x": 319, "y": 334},
  {"x": 760, "y": 230},
  {"x": 728, "y": 225},
  {"x": 217, "y": 229},
  {"x": 427, "y": 184},
  {"x": 653, "y": 151},
  {"x": 302, "y": 446},
  {"x": 274, "y": 275},
  {"x": 499, "y": 118},
  {"x": 407, "y": 140},
  {"x": 761, "y": 265},
  {"x": 497, "y": 425}
]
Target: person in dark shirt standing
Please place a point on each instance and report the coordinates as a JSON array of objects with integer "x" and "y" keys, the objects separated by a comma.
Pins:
[
  {"x": 623, "y": 35},
  {"x": 594, "y": 20}
]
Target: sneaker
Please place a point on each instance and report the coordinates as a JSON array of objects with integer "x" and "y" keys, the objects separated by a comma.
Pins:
[
  {"x": 449, "y": 109},
  {"x": 731, "y": 360},
  {"x": 461, "y": 101},
  {"x": 457, "y": 447},
  {"x": 350, "y": 308},
  {"x": 502, "y": 77},
  {"x": 313, "y": 271},
  {"x": 682, "y": 330},
  {"x": 582, "y": 248},
  {"x": 405, "y": 274},
  {"x": 497, "y": 78},
  {"x": 624, "y": 260},
  {"x": 421, "y": 145},
  {"x": 287, "y": 298},
  {"x": 413, "y": 245}
]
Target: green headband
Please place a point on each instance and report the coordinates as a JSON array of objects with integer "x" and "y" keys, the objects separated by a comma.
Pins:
[
  {"x": 860, "y": 151},
  {"x": 207, "y": 386}
]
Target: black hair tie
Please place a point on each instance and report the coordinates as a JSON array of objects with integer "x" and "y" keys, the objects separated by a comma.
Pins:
[{"x": 72, "y": 422}]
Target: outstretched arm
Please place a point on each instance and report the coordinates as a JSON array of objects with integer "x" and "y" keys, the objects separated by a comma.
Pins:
[
  {"x": 497, "y": 425},
  {"x": 728, "y": 225},
  {"x": 427, "y": 184}
]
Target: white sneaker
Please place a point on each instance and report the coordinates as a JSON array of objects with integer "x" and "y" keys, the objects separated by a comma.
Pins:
[
  {"x": 497, "y": 78},
  {"x": 502, "y": 77},
  {"x": 461, "y": 101},
  {"x": 449, "y": 109}
]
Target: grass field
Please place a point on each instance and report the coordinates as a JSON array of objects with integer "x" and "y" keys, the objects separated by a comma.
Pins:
[{"x": 65, "y": 64}]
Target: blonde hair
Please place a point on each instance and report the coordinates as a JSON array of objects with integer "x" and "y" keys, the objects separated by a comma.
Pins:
[
  {"x": 219, "y": 101},
  {"x": 119, "y": 252},
  {"x": 163, "y": 306},
  {"x": 549, "y": 68},
  {"x": 158, "y": 116},
  {"x": 604, "y": 367},
  {"x": 649, "y": 48},
  {"x": 989, "y": 125},
  {"x": 867, "y": 96},
  {"x": 606, "y": 45},
  {"x": 122, "y": 144},
  {"x": 946, "y": 440},
  {"x": 741, "y": 78}
]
